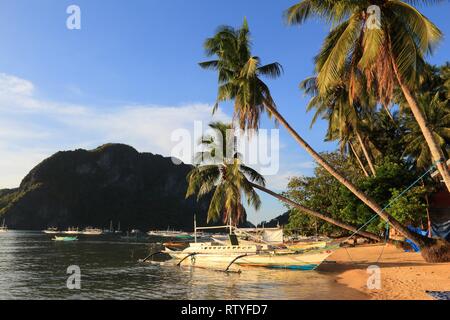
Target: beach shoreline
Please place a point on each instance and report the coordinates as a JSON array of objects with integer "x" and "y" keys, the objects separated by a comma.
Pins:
[{"x": 404, "y": 276}]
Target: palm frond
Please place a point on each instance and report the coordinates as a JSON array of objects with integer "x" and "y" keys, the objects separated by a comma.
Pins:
[
  {"x": 426, "y": 34},
  {"x": 272, "y": 70},
  {"x": 334, "y": 57}
]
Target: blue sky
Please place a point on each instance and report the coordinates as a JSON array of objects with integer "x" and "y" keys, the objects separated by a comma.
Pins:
[{"x": 130, "y": 75}]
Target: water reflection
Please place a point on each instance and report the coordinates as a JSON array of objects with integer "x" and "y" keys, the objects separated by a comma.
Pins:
[{"x": 34, "y": 267}]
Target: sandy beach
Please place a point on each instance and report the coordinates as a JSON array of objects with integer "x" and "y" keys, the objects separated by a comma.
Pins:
[{"x": 404, "y": 276}]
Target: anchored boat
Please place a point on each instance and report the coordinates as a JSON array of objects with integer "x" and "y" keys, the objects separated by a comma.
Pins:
[
  {"x": 72, "y": 231},
  {"x": 92, "y": 231},
  {"x": 51, "y": 231},
  {"x": 208, "y": 255},
  {"x": 170, "y": 234},
  {"x": 66, "y": 239},
  {"x": 235, "y": 253}
]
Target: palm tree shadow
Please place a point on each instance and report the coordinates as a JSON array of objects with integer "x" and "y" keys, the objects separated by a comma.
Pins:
[{"x": 339, "y": 267}]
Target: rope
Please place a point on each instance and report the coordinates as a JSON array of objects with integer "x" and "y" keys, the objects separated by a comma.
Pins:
[{"x": 432, "y": 168}]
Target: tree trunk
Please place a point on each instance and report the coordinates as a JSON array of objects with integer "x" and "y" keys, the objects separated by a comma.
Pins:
[
  {"x": 416, "y": 238},
  {"x": 436, "y": 151},
  {"x": 366, "y": 153},
  {"x": 321, "y": 216},
  {"x": 359, "y": 159}
]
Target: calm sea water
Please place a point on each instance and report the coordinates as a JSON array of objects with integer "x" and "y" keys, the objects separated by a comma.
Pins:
[{"x": 32, "y": 266}]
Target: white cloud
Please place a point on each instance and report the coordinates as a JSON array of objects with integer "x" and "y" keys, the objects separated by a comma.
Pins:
[
  {"x": 32, "y": 129},
  {"x": 11, "y": 85},
  {"x": 16, "y": 162}
]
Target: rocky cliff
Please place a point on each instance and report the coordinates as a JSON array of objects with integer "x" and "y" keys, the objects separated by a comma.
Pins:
[{"x": 93, "y": 187}]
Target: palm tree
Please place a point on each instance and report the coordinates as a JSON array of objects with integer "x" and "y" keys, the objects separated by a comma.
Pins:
[
  {"x": 226, "y": 199},
  {"x": 216, "y": 146},
  {"x": 343, "y": 115},
  {"x": 230, "y": 184},
  {"x": 386, "y": 54},
  {"x": 239, "y": 81},
  {"x": 383, "y": 135},
  {"x": 437, "y": 114},
  {"x": 228, "y": 179}
]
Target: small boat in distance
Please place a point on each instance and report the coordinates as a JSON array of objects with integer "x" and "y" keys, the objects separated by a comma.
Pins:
[
  {"x": 171, "y": 234},
  {"x": 52, "y": 230},
  {"x": 72, "y": 231},
  {"x": 92, "y": 231},
  {"x": 118, "y": 228},
  {"x": 110, "y": 230},
  {"x": 66, "y": 239},
  {"x": 3, "y": 228}
]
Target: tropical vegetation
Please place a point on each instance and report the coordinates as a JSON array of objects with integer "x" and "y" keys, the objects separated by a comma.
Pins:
[
  {"x": 385, "y": 106},
  {"x": 227, "y": 178}
]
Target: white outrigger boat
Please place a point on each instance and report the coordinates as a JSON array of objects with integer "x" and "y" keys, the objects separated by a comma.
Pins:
[
  {"x": 232, "y": 255},
  {"x": 51, "y": 230},
  {"x": 89, "y": 231},
  {"x": 72, "y": 231},
  {"x": 207, "y": 255}
]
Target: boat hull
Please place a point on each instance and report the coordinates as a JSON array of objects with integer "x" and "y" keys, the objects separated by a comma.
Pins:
[{"x": 305, "y": 261}]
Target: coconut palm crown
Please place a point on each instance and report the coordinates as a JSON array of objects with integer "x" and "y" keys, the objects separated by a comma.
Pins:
[
  {"x": 382, "y": 43},
  {"x": 239, "y": 74},
  {"x": 229, "y": 181}
]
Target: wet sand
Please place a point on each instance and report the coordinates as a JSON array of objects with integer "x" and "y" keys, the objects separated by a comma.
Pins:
[{"x": 404, "y": 276}]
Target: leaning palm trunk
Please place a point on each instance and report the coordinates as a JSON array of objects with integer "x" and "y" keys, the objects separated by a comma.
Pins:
[
  {"x": 436, "y": 152},
  {"x": 416, "y": 238},
  {"x": 366, "y": 153},
  {"x": 321, "y": 216},
  {"x": 359, "y": 160}
]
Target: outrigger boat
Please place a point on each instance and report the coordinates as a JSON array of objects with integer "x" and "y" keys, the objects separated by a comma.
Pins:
[
  {"x": 207, "y": 255},
  {"x": 92, "y": 231},
  {"x": 73, "y": 231},
  {"x": 52, "y": 231},
  {"x": 249, "y": 254}
]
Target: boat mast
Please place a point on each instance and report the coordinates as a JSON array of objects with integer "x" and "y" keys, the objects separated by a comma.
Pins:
[{"x": 195, "y": 227}]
